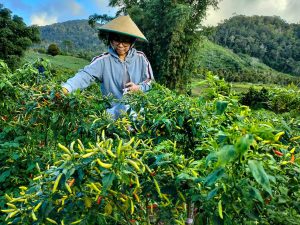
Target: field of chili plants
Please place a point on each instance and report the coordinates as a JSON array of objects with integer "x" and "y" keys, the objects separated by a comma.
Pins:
[{"x": 176, "y": 160}]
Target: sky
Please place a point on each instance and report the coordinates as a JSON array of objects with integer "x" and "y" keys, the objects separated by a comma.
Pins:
[
  {"x": 289, "y": 10},
  {"x": 44, "y": 12}
]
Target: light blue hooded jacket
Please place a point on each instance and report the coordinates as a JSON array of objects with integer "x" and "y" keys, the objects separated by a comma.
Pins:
[
  {"x": 110, "y": 71},
  {"x": 113, "y": 74}
]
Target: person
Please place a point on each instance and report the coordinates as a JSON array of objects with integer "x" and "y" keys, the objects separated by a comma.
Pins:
[
  {"x": 40, "y": 66},
  {"x": 121, "y": 70}
]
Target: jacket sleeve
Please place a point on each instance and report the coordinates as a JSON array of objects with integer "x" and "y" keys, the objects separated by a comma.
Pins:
[
  {"x": 148, "y": 77},
  {"x": 85, "y": 77}
]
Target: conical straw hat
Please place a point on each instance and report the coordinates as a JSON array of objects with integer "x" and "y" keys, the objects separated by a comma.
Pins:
[{"x": 123, "y": 25}]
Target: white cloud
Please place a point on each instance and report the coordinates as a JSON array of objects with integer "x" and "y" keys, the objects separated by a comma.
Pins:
[
  {"x": 101, "y": 3},
  {"x": 54, "y": 12},
  {"x": 42, "y": 19},
  {"x": 286, "y": 9},
  {"x": 75, "y": 7}
]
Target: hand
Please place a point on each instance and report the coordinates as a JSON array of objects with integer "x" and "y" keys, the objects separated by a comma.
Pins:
[
  {"x": 65, "y": 90},
  {"x": 132, "y": 87}
]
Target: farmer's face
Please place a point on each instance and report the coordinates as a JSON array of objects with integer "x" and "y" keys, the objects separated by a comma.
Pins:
[
  {"x": 120, "y": 47},
  {"x": 121, "y": 44}
]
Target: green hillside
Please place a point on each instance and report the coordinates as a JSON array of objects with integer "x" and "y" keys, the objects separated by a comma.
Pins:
[
  {"x": 213, "y": 56},
  {"x": 59, "y": 61},
  {"x": 237, "y": 67}
]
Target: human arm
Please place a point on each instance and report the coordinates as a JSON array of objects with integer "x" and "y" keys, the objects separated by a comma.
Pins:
[
  {"x": 84, "y": 77},
  {"x": 146, "y": 76},
  {"x": 145, "y": 85}
]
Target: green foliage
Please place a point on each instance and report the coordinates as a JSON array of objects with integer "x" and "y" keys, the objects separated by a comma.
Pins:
[
  {"x": 256, "y": 99},
  {"x": 285, "y": 100},
  {"x": 260, "y": 175},
  {"x": 213, "y": 86},
  {"x": 53, "y": 50},
  {"x": 15, "y": 37},
  {"x": 33, "y": 112},
  {"x": 270, "y": 39},
  {"x": 236, "y": 166},
  {"x": 279, "y": 100}
]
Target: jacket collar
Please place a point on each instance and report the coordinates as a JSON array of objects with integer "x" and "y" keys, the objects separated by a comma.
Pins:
[{"x": 130, "y": 55}]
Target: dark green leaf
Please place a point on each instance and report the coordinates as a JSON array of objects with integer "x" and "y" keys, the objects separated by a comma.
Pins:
[
  {"x": 4, "y": 175},
  {"x": 221, "y": 107},
  {"x": 214, "y": 176},
  {"x": 212, "y": 193},
  {"x": 256, "y": 194},
  {"x": 260, "y": 175},
  {"x": 15, "y": 156},
  {"x": 108, "y": 180}
]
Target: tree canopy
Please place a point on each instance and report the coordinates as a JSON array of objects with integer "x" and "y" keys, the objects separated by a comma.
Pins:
[
  {"x": 53, "y": 49},
  {"x": 172, "y": 28},
  {"x": 15, "y": 37}
]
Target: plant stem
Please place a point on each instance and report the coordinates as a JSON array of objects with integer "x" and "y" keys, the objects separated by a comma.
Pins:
[{"x": 190, "y": 213}]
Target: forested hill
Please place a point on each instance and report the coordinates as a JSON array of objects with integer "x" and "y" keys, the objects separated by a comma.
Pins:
[
  {"x": 271, "y": 39},
  {"x": 73, "y": 36}
]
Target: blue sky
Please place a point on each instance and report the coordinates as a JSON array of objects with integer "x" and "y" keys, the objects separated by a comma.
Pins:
[{"x": 43, "y": 12}]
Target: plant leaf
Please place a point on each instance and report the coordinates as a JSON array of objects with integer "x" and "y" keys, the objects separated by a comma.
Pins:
[
  {"x": 225, "y": 155},
  {"x": 107, "y": 181},
  {"x": 212, "y": 193},
  {"x": 260, "y": 175},
  {"x": 214, "y": 176},
  {"x": 221, "y": 107},
  {"x": 4, "y": 175},
  {"x": 244, "y": 143},
  {"x": 256, "y": 194}
]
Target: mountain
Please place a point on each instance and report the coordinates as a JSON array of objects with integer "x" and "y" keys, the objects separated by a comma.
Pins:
[
  {"x": 268, "y": 38},
  {"x": 72, "y": 36}
]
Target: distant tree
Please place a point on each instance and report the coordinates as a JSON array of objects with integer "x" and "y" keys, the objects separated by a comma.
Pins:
[
  {"x": 15, "y": 37},
  {"x": 53, "y": 50},
  {"x": 172, "y": 28}
]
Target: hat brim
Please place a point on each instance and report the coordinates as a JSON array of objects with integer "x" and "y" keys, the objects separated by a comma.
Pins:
[{"x": 123, "y": 33}]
